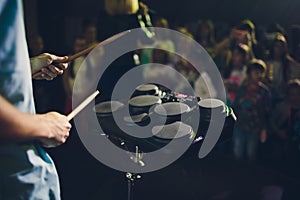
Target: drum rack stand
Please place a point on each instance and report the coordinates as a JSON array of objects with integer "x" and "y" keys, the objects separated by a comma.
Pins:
[{"x": 131, "y": 177}]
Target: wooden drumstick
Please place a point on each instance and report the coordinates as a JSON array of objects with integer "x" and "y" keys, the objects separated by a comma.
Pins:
[
  {"x": 82, "y": 105},
  {"x": 88, "y": 50}
]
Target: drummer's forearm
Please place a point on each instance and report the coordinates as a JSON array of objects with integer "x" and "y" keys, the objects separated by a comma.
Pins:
[{"x": 16, "y": 126}]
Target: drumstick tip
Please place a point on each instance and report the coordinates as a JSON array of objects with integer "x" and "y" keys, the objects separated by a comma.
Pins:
[{"x": 82, "y": 105}]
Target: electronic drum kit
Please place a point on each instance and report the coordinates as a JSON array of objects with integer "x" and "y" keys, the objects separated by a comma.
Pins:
[
  {"x": 160, "y": 116},
  {"x": 165, "y": 116}
]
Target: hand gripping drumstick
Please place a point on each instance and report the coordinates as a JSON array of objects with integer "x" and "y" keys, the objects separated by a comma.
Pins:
[
  {"x": 82, "y": 105},
  {"x": 88, "y": 50}
]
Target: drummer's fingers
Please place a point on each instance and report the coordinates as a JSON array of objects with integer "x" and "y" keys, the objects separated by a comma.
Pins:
[
  {"x": 62, "y": 66},
  {"x": 62, "y": 138},
  {"x": 46, "y": 77},
  {"x": 56, "y": 70},
  {"x": 65, "y": 137},
  {"x": 40, "y": 77},
  {"x": 48, "y": 72}
]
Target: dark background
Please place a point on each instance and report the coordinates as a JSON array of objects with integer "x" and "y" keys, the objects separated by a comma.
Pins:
[{"x": 59, "y": 21}]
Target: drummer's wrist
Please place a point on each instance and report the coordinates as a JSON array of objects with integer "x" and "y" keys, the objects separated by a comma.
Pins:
[{"x": 33, "y": 126}]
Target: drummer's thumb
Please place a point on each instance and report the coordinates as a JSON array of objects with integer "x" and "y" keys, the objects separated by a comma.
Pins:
[{"x": 60, "y": 59}]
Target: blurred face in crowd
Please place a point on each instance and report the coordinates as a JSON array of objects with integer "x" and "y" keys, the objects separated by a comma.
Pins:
[
  {"x": 237, "y": 59},
  {"x": 297, "y": 54},
  {"x": 90, "y": 34},
  {"x": 278, "y": 49},
  {"x": 79, "y": 44},
  {"x": 256, "y": 75},
  {"x": 36, "y": 45},
  {"x": 241, "y": 36},
  {"x": 159, "y": 56},
  {"x": 205, "y": 31},
  {"x": 163, "y": 23},
  {"x": 184, "y": 45}
]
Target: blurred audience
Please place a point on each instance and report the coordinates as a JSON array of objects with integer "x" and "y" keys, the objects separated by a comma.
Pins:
[
  {"x": 285, "y": 129},
  {"x": 297, "y": 53},
  {"x": 162, "y": 38},
  {"x": 257, "y": 49},
  {"x": 35, "y": 45},
  {"x": 205, "y": 35},
  {"x": 182, "y": 65},
  {"x": 281, "y": 67},
  {"x": 160, "y": 70},
  {"x": 235, "y": 73},
  {"x": 252, "y": 106},
  {"x": 89, "y": 32}
]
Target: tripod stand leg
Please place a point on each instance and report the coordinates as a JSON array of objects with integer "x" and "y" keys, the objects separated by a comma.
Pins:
[
  {"x": 130, "y": 180},
  {"x": 130, "y": 190},
  {"x": 130, "y": 183}
]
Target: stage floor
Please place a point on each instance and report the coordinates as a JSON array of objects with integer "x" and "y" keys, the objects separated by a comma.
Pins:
[{"x": 216, "y": 177}]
